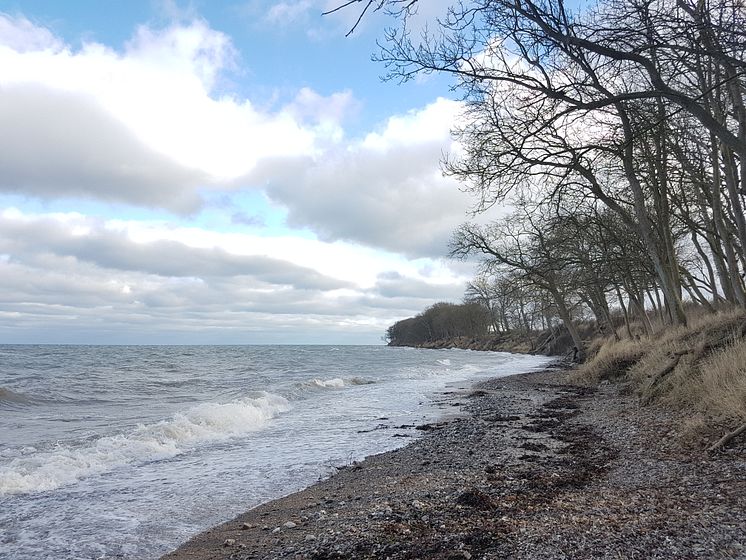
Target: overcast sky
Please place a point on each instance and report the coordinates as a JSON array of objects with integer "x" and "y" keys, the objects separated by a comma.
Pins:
[{"x": 216, "y": 172}]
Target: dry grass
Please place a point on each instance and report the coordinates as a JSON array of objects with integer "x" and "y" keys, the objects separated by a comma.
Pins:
[
  {"x": 611, "y": 360},
  {"x": 720, "y": 387},
  {"x": 678, "y": 388},
  {"x": 700, "y": 368}
]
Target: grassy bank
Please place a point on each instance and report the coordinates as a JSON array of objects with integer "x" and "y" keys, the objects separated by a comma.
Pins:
[{"x": 700, "y": 368}]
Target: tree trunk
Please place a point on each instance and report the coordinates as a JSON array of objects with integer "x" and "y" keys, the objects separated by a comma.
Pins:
[{"x": 564, "y": 314}]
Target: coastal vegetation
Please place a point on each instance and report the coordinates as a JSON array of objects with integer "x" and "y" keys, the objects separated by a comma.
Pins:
[
  {"x": 441, "y": 321},
  {"x": 605, "y": 147},
  {"x": 700, "y": 368}
]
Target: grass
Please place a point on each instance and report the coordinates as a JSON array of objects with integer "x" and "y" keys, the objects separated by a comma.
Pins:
[
  {"x": 720, "y": 385},
  {"x": 609, "y": 359},
  {"x": 709, "y": 377}
]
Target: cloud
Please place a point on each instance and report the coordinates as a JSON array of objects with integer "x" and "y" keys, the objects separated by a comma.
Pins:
[
  {"x": 155, "y": 106},
  {"x": 58, "y": 144},
  {"x": 245, "y": 219},
  {"x": 287, "y": 13},
  {"x": 392, "y": 284},
  {"x": 22, "y": 36},
  {"x": 385, "y": 190},
  {"x": 149, "y": 125},
  {"x": 67, "y": 277},
  {"x": 91, "y": 242}
]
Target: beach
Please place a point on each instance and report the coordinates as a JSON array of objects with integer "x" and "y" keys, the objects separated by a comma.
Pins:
[
  {"x": 533, "y": 467},
  {"x": 126, "y": 452}
]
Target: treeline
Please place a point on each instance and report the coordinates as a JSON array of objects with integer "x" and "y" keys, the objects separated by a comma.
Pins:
[
  {"x": 442, "y": 321},
  {"x": 616, "y": 135}
]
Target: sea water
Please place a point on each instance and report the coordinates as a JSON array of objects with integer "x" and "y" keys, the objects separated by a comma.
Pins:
[{"x": 127, "y": 451}]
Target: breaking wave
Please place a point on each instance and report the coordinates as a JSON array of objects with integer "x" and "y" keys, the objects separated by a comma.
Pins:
[
  {"x": 337, "y": 382},
  {"x": 38, "y": 471}
]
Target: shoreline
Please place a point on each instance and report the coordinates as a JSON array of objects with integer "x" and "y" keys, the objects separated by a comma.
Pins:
[{"x": 534, "y": 468}]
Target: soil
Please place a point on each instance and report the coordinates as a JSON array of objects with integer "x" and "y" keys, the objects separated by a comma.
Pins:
[{"x": 535, "y": 468}]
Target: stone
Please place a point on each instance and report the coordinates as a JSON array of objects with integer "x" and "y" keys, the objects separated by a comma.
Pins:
[
  {"x": 229, "y": 542},
  {"x": 289, "y": 525}
]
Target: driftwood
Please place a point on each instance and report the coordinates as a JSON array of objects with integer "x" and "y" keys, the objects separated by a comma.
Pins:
[{"x": 723, "y": 441}]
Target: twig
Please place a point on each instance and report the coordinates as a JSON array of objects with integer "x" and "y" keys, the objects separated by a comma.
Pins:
[{"x": 723, "y": 441}]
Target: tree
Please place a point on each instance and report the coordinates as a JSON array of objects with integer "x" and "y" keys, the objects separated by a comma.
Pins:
[
  {"x": 589, "y": 102},
  {"x": 520, "y": 243}
]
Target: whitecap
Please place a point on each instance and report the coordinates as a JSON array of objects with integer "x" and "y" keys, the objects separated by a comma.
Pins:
[
  {"x": 336, "y": 383},
  {"x": 203, "y": 423}
]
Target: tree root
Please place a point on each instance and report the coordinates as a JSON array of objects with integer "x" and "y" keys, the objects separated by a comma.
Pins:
[{"x": 723, "y": 441}]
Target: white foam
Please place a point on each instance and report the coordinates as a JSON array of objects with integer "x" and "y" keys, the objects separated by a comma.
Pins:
[
  {"x": 336, "y": 383},
  {"x": 206, "y": 422},
  {"x": 444, "y": 362}
]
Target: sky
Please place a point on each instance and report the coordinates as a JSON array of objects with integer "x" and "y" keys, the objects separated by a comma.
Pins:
[{"x": 217, "y": 172}]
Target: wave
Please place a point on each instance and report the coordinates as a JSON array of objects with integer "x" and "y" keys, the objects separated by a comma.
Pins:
[
  {"x": 336, "y": 383},
  {"x": 38, "y": 471},
  {"x": 427, "y": 372}
]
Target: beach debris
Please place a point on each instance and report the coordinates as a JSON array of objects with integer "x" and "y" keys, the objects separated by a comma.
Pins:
[{"x": 475, "y": 499}]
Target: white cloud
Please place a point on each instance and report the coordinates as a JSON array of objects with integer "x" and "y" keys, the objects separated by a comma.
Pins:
[
  {"x": 67, "y": 275},
  {"x": 385, "y": 190},
  {"x": 160, "y": 93},
  {"x": 150, "y": 125},
  {"x": 286, "y": 13},
  {"x": 22, "y": 35},
  {"x": 58, "y": 144}
]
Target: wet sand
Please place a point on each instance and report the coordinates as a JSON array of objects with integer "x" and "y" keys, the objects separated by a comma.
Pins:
[{"x": 534, "y": 468}]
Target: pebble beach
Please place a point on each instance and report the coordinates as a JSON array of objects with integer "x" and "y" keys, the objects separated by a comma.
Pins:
[{"x": 531, "y": 467}]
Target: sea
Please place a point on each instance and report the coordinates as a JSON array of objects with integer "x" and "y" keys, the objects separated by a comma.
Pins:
[{"x": 127, "y": 451}]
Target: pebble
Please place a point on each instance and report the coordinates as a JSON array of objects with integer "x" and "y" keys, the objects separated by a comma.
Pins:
[
  {"x": 653, "y": 484},
  {"x": 229, "y": 542}
]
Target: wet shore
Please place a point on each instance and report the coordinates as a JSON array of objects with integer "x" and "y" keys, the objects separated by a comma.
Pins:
[{"x": 534, "y": 468}]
